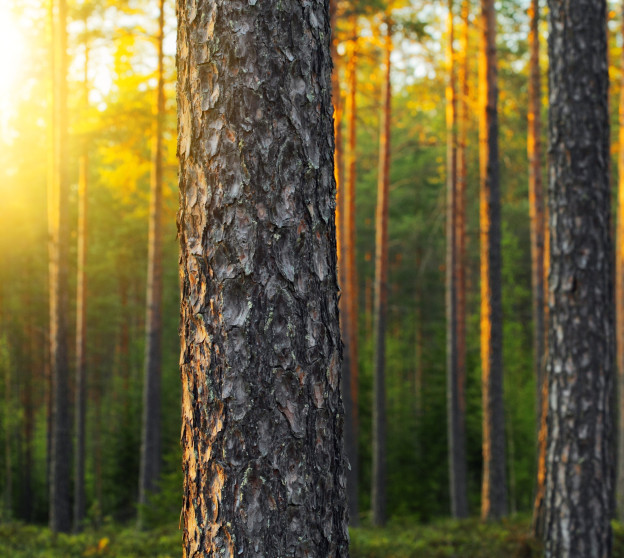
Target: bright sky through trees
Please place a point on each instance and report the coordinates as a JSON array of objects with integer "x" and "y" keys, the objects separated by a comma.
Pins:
[{"x": 12, "y": 47}]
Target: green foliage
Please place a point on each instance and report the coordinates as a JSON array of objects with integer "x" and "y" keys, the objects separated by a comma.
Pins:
[{"x": 446, "y": 539}]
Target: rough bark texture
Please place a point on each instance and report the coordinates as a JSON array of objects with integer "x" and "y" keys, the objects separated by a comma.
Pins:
[
  {"x": 494, "y": 487},
  {"x": 150, "y": 439},
  {"x": 619, "y": 295},
  {"x": 261, "y": 352},
  {"x": 81, "y": 321},
  {"x": 580, "y": 456},
  {"x": 378, "y": 489},
  {"x": 350, "y": 292},
  {"x": 58, "y": 227},
  {"x": 455, "y": 423}
]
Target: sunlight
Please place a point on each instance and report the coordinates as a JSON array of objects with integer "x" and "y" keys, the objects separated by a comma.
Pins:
[{"x": 12, "y": 46}]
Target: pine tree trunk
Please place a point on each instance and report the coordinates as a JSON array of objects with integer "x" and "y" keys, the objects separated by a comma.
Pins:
[
  {"x": 58, "y": 219},
  {"x": 150, "y": 437},
  {"x": 378, "y": 496},
  {"x": 350, "y": 292},
  {"x": 580, "y": 471},
  {"x": 494, "y": 487},
  {"x": 619, "y": 296},
  {"x": 455, "y": 422},
  {"x": 81, "y": 323},
  {"x": 261, "y": 352}
]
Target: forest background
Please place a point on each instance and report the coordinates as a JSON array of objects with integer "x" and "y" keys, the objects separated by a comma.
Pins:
[{"x": 117, "y": 124}]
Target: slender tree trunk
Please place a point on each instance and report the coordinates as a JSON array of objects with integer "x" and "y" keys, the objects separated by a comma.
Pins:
[
  {"x": 5, "y": 364},
  {"x": 60, "y": 507},
  {"x": 81, "y": 322},
  {"x": 381, "y": 294},
  {"x": 580, "y": 471},
  {"x": 536, "y": 212},
  {"x": 456, "y": 432},
  {"x": 619, "y": 295},
  {"x": 350, "y": 293},
  {"x": 150, "y": 437},
  {"x": 460, "y": 222},
  {"x": 343, "y": 241},
  {"x": 261, "y": 351},
  {"x": 494, "y": 487}
]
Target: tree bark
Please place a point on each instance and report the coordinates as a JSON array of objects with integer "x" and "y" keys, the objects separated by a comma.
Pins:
[
  {"x": 81, "y": 322},
  {"x": 150, "y": 437},
  {"x": 350, "y": 293},
  {"x": 261, "y": 352},
  {"x": 378, "y": 498},
  {"x": 619, "y": 295},
  {"x": 455, "y": 422},
  {"x": 580, "y": 460},
  {"x": 58, "y": 224},
  {"x": 494, "y": 487}
]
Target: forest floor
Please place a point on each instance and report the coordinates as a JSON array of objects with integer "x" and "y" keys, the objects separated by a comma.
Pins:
[{"x": 401, "y": 539}]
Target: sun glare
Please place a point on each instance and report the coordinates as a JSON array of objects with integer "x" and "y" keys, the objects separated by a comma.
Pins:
[{"x": 12, "y": 47}]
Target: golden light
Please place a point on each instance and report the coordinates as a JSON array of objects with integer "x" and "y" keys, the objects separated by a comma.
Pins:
[{"x": 12, "y": 47}]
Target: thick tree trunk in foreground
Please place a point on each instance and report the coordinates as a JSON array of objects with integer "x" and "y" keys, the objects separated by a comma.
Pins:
[
  {"x": 81, "y": 322},
  {"x": 261, "y": 351},
  {"x": 350, "y": 291},
  {"x": 150, "y": 438},
  {"x": 378, "y": 490},
  {"x": 619, "y": 296},
  {"x": 456, "y": 433},
  {"x": 580, "y": 457},
  {"x": 494, "y": 487},
  {"x": 58, "y": 226}
]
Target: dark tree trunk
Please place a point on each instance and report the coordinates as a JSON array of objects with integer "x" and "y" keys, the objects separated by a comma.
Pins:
[
  {"x": 494, "y": 487},
  {"x": 378, "y": 489},
  {"x": 58, "y": 199},
  {"x": 150, "y": 437},
  {"x": 455, "y": 419},
  {"x": 81, "y": 323},
  {"x": 619, "y": 295},
  {"x": 580, "y": 458},
  {"x": 261, "y": 352}
]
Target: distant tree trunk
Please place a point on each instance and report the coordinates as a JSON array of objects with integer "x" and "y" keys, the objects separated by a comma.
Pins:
[
  {"x": 455, "y": 420},
  {"x": 150, "y": 437},
  {"x": 58, "y": 222},
  {"x": 350, "y": 292},
  {"x": 460, "y": 238},
  {"x": 343, "y": 241},
  {"x": 619, "y": 295},
  {"x": 536, "y": 212},
  {"x": 378, "y": 498},
  {"x": 261, "y": 352},
  {"x": 5, "y": 366},
  {"x": 81, "y": 322},
  {"x": 494, "y": 487},
  {"x": 30, "y": 382},
  {"x": 580, "y": 470}
]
